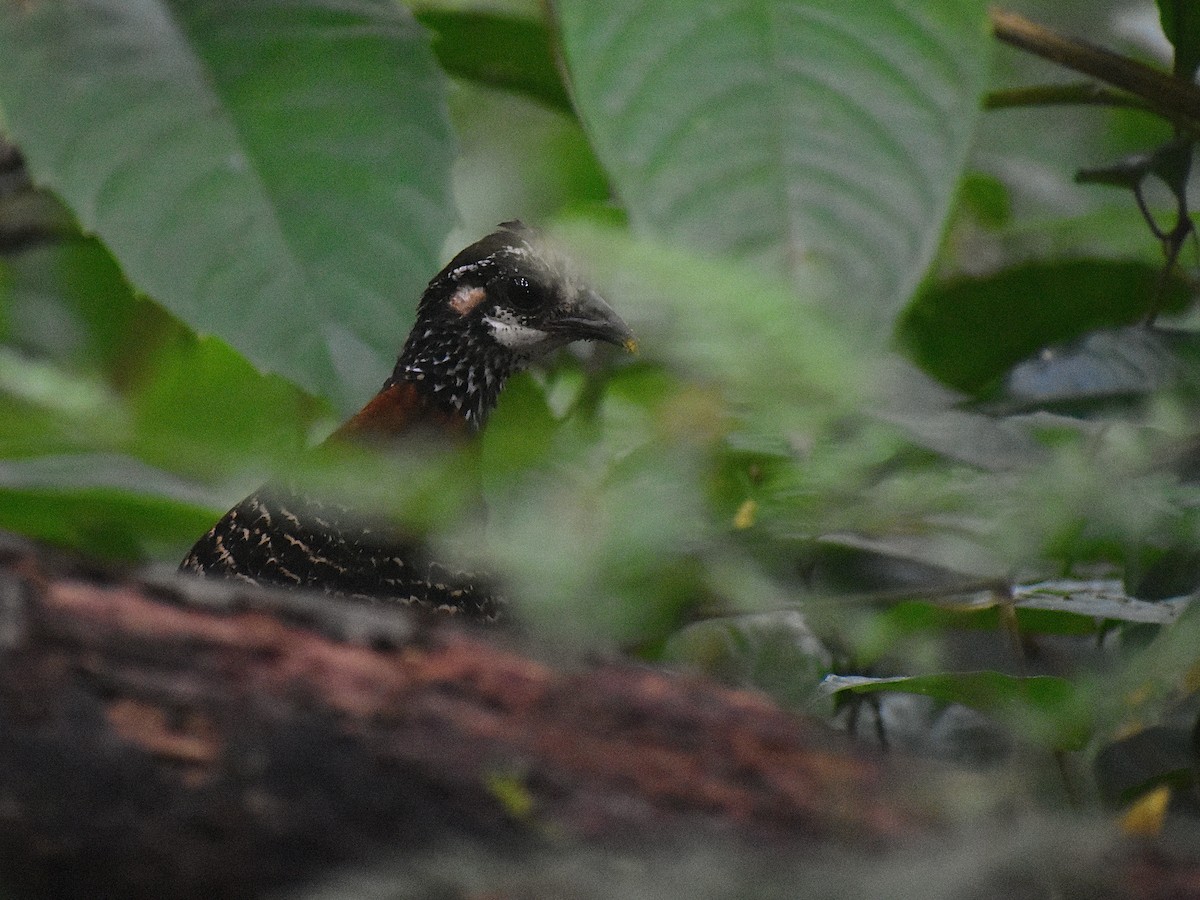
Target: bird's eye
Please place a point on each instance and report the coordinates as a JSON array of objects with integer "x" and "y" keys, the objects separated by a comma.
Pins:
[{"x": 520, "y": 294}]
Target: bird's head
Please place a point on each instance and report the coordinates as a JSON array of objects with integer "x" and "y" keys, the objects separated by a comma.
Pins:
[{"x": 502, "y": 302}]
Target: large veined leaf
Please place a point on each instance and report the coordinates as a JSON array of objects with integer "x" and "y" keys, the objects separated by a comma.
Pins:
[
  {"x": 793, "y": 133},
  {"x": 273, "y": 171}
]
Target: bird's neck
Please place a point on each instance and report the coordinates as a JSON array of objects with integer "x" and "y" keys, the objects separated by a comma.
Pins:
[
  {"x": 398, "y": 409},
  {"x": 456, "y": 371}
]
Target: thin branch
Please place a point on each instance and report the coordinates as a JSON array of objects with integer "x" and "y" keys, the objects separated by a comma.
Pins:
[
  {"x": 1170, "y": 96},
  {"x": 1085, "y": 93}
]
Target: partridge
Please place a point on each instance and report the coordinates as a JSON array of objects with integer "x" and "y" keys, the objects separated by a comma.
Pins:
[{"x": 501, "y": 303}]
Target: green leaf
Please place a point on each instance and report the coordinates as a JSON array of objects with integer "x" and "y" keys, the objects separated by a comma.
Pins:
[
  {"x": 273, "y": 171},
  {"x": 961, "y": 550},
  {"x": 1117, "y": 233},
  {"x": 986, "y": 199},
  {"x": 970, "y": 331},
  {"x": 105, "y": 505},
  {"x": 932, "y": 418},
  {"x": 1051, "y": 607},
  {"x": 1096, "y": 599},
  {"x": 44, "y": 409},
  {"x": 203, "y": 410},
  {"x": 913, "y": 617},
  {"x": 1052, "y": 710},
  {"x": 65, "y": 297},
  {"x": 684, "y": 302},
  {"x": 518, "y": 436},
  {"x": 790, "y": 134},
  {"x": 502, "y": 51},
  {"x": 1181, "y": 24},
  {"x": 68, "y": 301},
  {"x": 518, "y": 159},
  {"x": 1109, "y": 365}
]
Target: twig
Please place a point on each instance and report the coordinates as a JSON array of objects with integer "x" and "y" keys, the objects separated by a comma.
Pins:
[
  {"x": 1171, "y": 97},
  {"x": 1086, "y": 93}
]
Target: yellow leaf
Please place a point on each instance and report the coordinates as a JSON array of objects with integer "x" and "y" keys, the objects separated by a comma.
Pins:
[
  {"x": 745, "y": 515},
  {"x": 1139, "y": 695},
  {"x": 1191, "y": 679},
  {"x": 512, "y": 794},
  {"x": 1145, "y": 816},
  {"x": 1129, "y": 729}
]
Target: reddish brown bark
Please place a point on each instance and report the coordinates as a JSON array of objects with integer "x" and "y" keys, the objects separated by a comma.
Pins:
[
  {"x": 208, "y": 738},
  {"x": 186, "y": 738}
]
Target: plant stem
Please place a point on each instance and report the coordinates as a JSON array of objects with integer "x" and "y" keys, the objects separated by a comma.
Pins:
[
  {"x": 1172, "y": 97},
  {"x": 1086, "y": 93}
]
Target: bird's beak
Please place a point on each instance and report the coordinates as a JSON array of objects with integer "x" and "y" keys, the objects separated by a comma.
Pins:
[{"x": 591, "y": 319}]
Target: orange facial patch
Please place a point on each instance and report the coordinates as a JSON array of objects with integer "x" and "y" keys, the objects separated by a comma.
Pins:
[{"x": 466, "y": 299}]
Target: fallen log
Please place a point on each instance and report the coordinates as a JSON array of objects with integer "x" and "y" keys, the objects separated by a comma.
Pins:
[
  {"x": 175, "y": 737},
  {"x": 165, "y": 737}
]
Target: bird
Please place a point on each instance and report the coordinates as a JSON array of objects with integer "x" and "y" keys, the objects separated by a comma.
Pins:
[{"x": 500, "y": 304}]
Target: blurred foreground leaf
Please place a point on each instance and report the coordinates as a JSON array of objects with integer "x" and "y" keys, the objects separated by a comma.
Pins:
[
  {"x": 201, "y": 409},
  {"x": 104, "y": 505},
  {"x": 775, "y": 354},
  {"x": 774, "y": 652}
]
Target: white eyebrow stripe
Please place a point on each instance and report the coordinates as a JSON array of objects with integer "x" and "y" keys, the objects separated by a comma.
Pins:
[{"x": 513, "y": 251}]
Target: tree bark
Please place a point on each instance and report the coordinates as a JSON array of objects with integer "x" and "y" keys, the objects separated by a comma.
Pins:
[{"x": 179, "y": 738}]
